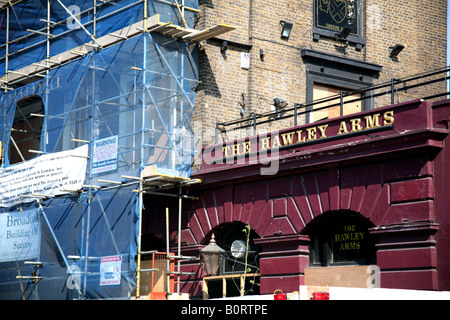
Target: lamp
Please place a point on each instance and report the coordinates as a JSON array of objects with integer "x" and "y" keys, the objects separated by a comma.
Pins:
[
  {"x": 286, "y": 29},
  {"x": 211, "y": 256},
  {"x": 396, "y": 50},
  {"x": 261, "y": 54},
  {"x": 224, "y": 46},
  {"x": 344, "y": 32},
  {"x": 279, "y": 104}
]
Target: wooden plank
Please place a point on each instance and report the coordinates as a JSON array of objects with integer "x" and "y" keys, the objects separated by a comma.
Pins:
[
  {"x": 71, "y": 54},
  {"x": 344, "y": 276},
  {"x": 181, "y": 33},
  {"x": 223, "y": 280},
  {"x": 209, "y": 33},
  {"x": 224, "y": 288},
  {"x": 205, "y": 289},
  {"x": 150, "y": 172},
  {"x": 152, "y": 24}
]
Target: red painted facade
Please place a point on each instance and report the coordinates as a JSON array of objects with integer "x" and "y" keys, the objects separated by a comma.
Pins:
[{"x": 393, "y": 172}]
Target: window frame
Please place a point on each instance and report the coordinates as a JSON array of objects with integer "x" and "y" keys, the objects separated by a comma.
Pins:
[
  {"x": 230, "y": 265},
  {"x": 25, "y": 111},
  {"x": 321, "y": 245},
  {"x": 347, "y": 99},
  {"x": 337, "y": 71}
]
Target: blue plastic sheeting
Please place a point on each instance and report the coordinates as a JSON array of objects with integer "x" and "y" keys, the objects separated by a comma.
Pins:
[
  {"x": 139, "y": 93},
  {"x": 170, "y": 13},
  {"x": 8, "y": 102},
  {"x": 148, "y": 108},
  {"x": 99, "y": 225},
  {"x": 26, "y": 47}
]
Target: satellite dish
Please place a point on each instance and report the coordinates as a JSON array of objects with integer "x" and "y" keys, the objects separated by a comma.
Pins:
[{"x": 238, "y": 249}]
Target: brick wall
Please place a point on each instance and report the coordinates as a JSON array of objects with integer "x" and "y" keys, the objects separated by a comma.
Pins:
[{"x": 281, "y": 73}]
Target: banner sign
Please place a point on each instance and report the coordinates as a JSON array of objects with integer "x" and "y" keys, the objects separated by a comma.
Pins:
[
  {"x": 105, "y": 155},
  {"x": 20, "y": 234},
  {"x": 47, "y": 174},
  {"x": 110, "y": 270},
  {"x": 334, "y": 15}
]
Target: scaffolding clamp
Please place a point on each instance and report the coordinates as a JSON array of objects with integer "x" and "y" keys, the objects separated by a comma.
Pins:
[
  {"x": 34, "y": 278},
  {"x": 38, "y": 264}
]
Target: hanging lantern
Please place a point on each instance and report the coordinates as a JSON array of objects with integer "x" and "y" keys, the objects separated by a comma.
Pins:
[{"x": 211, "y": 256}]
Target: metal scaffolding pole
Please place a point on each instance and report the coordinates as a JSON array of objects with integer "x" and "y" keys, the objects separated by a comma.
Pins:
[
  {"x": 180, "y": 200},
  {"x": 54, "y": 237},
  {"x": 68, "y": 120},
  {"x": 167, "y": 254},
  {"x": 141, "y": 164},
  {"x": 79, "y": 23}
]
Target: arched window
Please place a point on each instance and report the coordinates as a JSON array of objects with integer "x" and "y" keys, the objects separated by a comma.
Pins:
[
  {"x": 26, "y": 129},
  {"x": 240, "y": 253},
  {"x": 341, "y": 238}
]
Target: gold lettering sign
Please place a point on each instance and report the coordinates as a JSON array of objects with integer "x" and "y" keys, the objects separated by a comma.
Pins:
[
  {"x": 350, "y": 239},
  {"x": 309, "y": 134},
  {"x": 349, "y": 242}
]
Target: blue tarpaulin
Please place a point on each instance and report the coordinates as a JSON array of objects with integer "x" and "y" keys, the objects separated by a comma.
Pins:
[{"x": 132, "y": 104}]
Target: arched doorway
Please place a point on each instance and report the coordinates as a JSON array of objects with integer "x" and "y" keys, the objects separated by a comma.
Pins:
[
  {"x": 341, "y": 238},
  {"x": 238, "y": 273}
]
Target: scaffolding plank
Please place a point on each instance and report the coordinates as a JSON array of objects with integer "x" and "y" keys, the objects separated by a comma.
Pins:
[
  {"x": 7, "y": 3},
  {"x": 74, "y": 53},
  {"x": 157, "y": 178},
  {"x": 193, "y": 35},
  {"x": 209, "y": 33},
  {"x": 174, "y": 31},
  {"x": 152, "y": 24},
  {"x": 181, "y": 33}
]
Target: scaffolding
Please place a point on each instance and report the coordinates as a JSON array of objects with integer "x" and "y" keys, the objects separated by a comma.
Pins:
[{"x": 95, "y": 112}]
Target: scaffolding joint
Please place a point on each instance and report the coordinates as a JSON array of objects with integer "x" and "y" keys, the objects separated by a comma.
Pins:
[{"x": 33, "y": 278}]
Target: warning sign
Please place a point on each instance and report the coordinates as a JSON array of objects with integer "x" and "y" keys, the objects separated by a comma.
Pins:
[
  {"x": 105, "y": 155},
  {"x": 110, "y": 270}
]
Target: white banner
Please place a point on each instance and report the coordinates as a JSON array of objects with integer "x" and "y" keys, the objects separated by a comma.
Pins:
[
  {"x": 20, "y": 234},
  {"x": 46, "y": 174}
]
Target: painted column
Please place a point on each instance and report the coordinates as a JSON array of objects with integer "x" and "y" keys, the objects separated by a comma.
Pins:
[
  {"x": 282, "y": 262},
  {"x": 406, "y": 255}
]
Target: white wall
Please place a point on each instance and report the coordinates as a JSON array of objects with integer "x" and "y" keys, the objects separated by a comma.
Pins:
[{"x": 342, "y": 293}]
